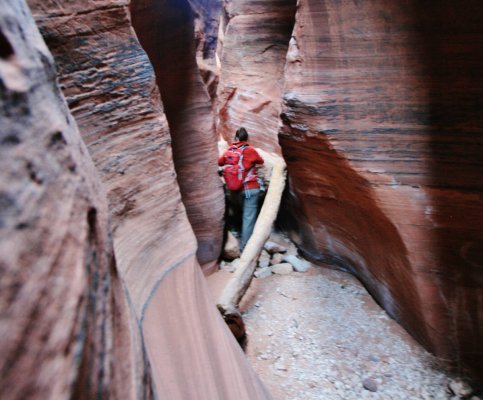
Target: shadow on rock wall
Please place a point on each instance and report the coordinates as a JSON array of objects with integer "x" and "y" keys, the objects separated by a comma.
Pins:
[
  {"x": 449, "y": 39},
  {"x": 343, "y": 226}
]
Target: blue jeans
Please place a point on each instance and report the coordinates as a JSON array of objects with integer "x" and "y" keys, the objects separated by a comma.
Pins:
[
  {"x": 248, "y": 201},
  {"x": 250, "y": 211}
]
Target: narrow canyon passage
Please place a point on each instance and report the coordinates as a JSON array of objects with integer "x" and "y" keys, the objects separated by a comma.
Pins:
[{"x": 112, "y": 210}]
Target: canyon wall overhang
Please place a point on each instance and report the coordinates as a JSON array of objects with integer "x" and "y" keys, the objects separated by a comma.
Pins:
[
  {"x": 70, "y": 328},
  {"x": 382, "y": 134}
]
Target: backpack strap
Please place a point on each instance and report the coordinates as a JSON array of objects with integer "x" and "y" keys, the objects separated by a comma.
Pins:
[{"x": 240, "y": 162}]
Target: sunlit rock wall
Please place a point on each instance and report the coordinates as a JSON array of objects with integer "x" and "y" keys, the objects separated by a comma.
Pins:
[
  {"x": 382, "y": 136},
  {"x": 64, "y": 330},
  {"x": 255, "y": 42},
  {"x": 167, "y": 33},
  {"x": 110, "y": 87}
]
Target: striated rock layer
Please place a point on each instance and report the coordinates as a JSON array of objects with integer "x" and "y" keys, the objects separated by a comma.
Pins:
[
  {"x": 64, "y": 331},
  {"x": 256, "y": 38},
  {"x": 167, "y": 33},
  {"x": 382, "y": 136},
  {"x": 180, "y": 344}
]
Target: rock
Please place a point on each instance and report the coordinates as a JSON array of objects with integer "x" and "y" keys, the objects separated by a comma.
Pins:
[
  {"x": 370, "y": 384},
  {"x": 231, "y": 250},
  {"x": 459, "y": 387},
  {"x": 65, "y": 319},
  {"x": 277, "y": 258},
  {"x": 281, "y": 367},
  {"x": 273, "y": 247},
  {"x": 264, "y": 259},
  {"x": 188, "y": 108},
  {"x": 349, "y": 173},
  {"x": 264, "y": 272},
  {"x": 112, "y": 91},
  {"x": 282, "y": 269},
  {"x": 298, "y": 264},
  {"x": 261, "y": 28},
  {"x": 228, "y": 266}
]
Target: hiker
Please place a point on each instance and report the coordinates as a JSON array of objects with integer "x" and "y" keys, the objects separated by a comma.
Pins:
[{"x": 242, "y": 183}]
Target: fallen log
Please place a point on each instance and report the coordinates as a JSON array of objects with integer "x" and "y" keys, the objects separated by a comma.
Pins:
[{"x": 240, "y": 281}]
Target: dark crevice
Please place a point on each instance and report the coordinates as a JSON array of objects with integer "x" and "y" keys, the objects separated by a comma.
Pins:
[{"x": 6, "y": 49}]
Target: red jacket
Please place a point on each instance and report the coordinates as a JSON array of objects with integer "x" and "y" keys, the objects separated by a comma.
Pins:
[{"x": 250, "y": 158}]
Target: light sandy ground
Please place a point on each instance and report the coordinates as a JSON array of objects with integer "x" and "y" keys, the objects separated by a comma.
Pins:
[{"x": 320, "y": 335}]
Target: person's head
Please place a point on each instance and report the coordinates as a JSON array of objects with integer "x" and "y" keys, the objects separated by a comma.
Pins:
[{"x": 241, "y": 135}]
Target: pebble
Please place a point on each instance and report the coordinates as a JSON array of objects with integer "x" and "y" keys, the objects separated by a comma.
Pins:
[
  {"x": 273, "y": 247},
  {"x": 264, "y": 272},
  {"x": 280, "y": 367},
  {"x": 459, "y": 387},
  {"x": 277, "y": 258},
  {"x": 227, "y": 266},
  {"x": 231, "y": 249},
  {"x": 298, "y": 264},
  {"x": 282, "y": 269},
  {"x": 370, "y": 384},
  {"x": 263, "y": 259}
]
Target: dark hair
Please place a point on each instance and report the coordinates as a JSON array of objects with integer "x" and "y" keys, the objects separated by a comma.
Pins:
[{"x": 241, "y": 134}]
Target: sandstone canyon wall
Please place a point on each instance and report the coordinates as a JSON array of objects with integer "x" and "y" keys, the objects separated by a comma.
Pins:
[
  {"x": 65, "y": 320},
  {"x": 382, "y": 137},
  {"x": 255, "y": 41},
  {"x": 166, "y": 30},
  {"x": 69, "y": 328}
]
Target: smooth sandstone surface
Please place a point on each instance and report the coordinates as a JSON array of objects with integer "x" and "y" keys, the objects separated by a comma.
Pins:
[{"x": 382, "y": 137}]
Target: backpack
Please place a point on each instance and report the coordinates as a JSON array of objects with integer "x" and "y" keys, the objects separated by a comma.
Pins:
[{"x": 234, "y": 173}]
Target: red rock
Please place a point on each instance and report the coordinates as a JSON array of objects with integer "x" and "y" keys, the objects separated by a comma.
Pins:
[
  {"x": 166, "y": 32},
  {"x": 109, "y": 85},
  {"x": 65, "y": 321},
  {"x": 207, "y": 15},
  {"x": 384, "y": 158},
  {"x": 255, "y": 43}
]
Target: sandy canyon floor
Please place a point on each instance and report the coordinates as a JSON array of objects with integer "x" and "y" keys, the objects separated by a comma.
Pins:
[{"x": 320, "y": 335}]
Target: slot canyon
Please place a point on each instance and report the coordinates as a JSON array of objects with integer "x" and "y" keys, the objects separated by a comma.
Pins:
[{"x": 112, "y": 211}]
